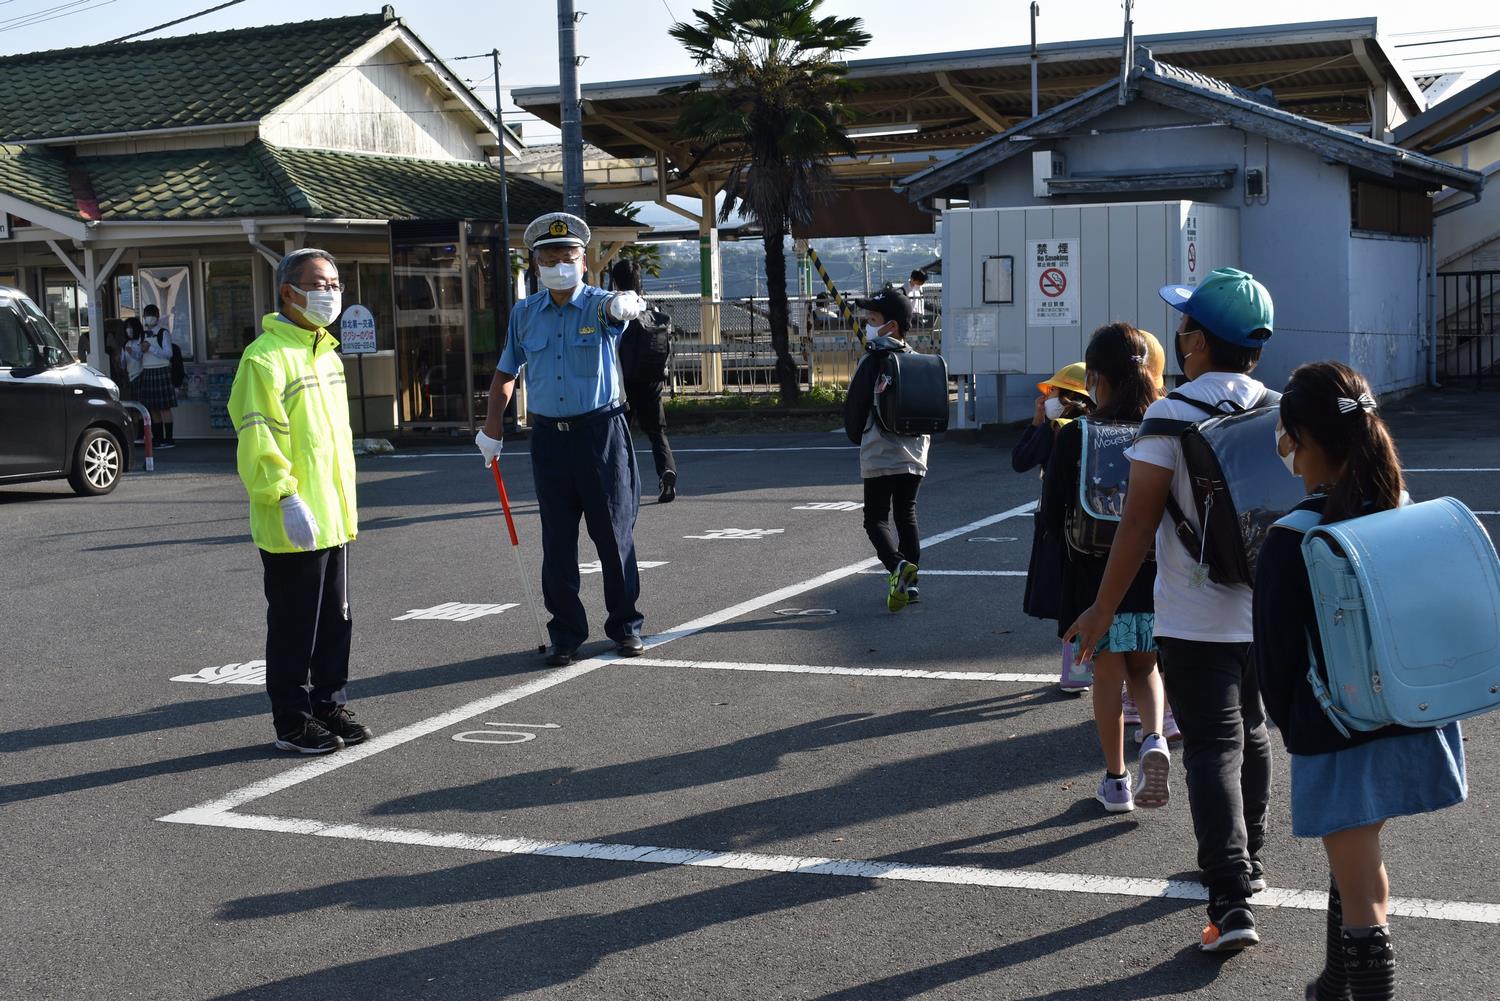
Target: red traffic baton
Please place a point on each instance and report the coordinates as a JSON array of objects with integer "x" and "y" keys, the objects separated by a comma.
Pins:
[{"x": 515, "y": 548}]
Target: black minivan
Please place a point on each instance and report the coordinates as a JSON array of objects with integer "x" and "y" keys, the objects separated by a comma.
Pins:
[{"x": 58, "y": 417}]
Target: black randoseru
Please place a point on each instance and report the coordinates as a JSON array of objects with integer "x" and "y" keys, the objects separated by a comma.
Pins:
[{"x": 914, "y": 397}]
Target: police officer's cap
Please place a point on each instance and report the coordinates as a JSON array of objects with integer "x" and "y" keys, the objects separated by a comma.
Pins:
[{"x": 557, "y": 228}]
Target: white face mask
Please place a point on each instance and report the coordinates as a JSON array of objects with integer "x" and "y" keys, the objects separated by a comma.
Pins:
[
  {"x": 1289, "y": 459},
  {"x": 872, "y": 330},
  {"x": 150, "y": 322},
  {"x": 1053, "y": 408},
  {"x": 322, "y": 307},
  {"x": 561, "y": 277}
]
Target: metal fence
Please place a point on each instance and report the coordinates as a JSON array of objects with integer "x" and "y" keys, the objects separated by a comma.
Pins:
[
  {"x": 1466, "y": 328},
  {"x": 826, "y": 349}
]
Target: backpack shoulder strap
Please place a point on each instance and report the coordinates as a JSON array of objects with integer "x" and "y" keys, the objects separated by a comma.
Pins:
[
  {"x": 1301, "y": 522},
  {"x": 1163, "y": 427},
  {"x": 1213, "y": 410}
]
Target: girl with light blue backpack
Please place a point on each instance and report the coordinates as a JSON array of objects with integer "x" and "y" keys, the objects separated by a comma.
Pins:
[{"x": 1346, "y": 783}]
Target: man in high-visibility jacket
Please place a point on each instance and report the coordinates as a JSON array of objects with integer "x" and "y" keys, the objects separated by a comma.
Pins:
[{"x": 296, "y": 458}]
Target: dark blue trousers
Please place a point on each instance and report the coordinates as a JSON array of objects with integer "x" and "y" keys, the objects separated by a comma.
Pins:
[{"x": 588, "y": 471}]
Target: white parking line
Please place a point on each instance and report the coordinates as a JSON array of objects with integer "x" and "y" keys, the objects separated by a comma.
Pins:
[
  {"x": 858, "y": 672},
  {"x": 968, "y": 573},
  {"x": 812, "y": 865},
  {"x": 639, "y": 451},
  {"x": 1457, "y": 469},
  {"x": 214, "y": 811}
]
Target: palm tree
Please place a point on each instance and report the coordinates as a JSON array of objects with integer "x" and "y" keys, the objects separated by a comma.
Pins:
[{"x": 775, "y": 103}]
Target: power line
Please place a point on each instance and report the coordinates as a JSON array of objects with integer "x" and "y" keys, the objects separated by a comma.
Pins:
[
  {"x": 180, "y": 20},
  {"x": 59, "y": 11}
]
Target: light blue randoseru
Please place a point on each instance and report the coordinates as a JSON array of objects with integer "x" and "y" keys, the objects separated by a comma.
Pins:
[{"x": 1408, "y": 604}]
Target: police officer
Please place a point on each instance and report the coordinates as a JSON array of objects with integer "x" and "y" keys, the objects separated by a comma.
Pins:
[{"x": 567, "y": 338}]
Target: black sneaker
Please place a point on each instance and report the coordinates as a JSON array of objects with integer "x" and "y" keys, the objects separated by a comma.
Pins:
[
  {"x": 313, "y": 738},
  {"x": 668, "y": 488},
  {"x": 1231, "y": 927},
  {"x": 1257, "y": 876},
  {"x": 340, "y": 722}
]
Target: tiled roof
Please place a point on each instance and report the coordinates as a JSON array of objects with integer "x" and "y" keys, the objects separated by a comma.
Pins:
[
  {"x": 263, "y": 180},
  {"x": 216, "y": 78}
]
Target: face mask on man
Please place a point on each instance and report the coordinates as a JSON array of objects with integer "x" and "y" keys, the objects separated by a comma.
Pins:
[
  {"x": 563, "y": 276},
  {"x": 150, "y": 322},
  {"x": 1181, "y": 358},
  {"x": 1053, "y": 408},
  {"x": 322, "y": 306},
  {"x": 872, "y": 330}
]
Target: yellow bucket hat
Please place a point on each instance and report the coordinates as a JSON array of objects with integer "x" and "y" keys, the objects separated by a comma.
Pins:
[
  {"x": 1156, "y": 359},
  {"x": 1069, "y": 377}
]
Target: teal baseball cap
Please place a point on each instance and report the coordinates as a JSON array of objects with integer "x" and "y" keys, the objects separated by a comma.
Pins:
[{"x": 1229, "y": 302}]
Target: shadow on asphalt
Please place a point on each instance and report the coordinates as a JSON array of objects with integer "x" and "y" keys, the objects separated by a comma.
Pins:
[
  {"x": 549, "y": 953},
  {"x": 251, "y": 703}
]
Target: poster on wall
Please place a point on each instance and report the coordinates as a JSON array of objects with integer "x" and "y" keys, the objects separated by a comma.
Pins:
[
  {"x": 169, "y": 290},
  {"x": 1052, "y": 282}
]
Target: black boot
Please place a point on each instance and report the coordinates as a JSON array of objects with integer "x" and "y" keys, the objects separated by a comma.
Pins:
[
  {"x": 1370, "y": 963},
  {"x": 1333, "y": 983}
]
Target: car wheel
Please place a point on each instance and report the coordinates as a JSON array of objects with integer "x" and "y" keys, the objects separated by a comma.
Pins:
[{"x": 96, "y": 463}]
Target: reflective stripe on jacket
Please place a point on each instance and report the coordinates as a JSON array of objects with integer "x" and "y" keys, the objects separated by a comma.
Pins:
[{"x": 290, "y": 409}]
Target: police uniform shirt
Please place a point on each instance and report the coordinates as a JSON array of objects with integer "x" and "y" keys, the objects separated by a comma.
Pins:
[{"x": 570, "y": 352}]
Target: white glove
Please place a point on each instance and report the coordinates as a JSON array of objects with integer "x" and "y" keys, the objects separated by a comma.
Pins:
[
  {"x": 297, "y": 518},
  {"x": 488, "y": 447},
  {"x": 626, "y": 306}
]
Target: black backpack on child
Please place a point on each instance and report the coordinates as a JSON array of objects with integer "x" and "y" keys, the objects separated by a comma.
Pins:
[
  {"x": 646, "y": 348},
  {"x": 1240, "y": 487},
  {"x": 910, "y": 392}
]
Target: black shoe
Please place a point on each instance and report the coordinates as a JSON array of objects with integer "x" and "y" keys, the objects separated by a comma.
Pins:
[
  {"x": 668, "y": 488},
  {"x": 630, "y": 646},
  {"x": 313, "y": 738},
  {"x": 340, "y": 722},
  {"x": 1231, "y": 927},
  {"x": 1257, "y": 876},
  {"x": 559, "y": 657}
]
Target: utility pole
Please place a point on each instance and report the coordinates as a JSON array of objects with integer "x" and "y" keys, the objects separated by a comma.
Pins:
[
  {"x": 572, "y": 125},
  {"x": 1036, "y": 12},
  {"x": 508, "y": 279}
]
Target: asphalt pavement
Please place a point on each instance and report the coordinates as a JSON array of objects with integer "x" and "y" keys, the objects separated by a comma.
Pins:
[{"x": 794, "y": 794}]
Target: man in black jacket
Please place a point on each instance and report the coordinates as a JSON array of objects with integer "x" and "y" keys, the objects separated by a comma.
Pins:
[{"x": 646, "y": 373}]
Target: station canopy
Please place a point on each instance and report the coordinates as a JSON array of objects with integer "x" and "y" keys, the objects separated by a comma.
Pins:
[{"x": 915, "y": 110}]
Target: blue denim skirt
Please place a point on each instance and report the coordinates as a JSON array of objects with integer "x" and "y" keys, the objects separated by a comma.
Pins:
[{"x": 1391, "y": 777}]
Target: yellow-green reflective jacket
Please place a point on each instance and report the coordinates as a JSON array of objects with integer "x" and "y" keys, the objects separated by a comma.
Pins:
[{"x": 290, "y": 408}]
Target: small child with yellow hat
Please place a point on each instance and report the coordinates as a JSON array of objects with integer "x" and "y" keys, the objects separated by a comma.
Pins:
[{"x": 1064, "y": 398}]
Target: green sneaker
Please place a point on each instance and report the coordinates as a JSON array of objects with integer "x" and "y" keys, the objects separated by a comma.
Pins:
[{"x": 898, "y": 583}]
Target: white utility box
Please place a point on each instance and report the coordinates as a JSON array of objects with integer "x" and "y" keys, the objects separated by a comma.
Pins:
[{"x": 1023, "y": 288}]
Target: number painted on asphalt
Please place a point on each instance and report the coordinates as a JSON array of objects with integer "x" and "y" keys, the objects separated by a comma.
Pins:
[
  {"x": 454, "y": 611},
  {"x": 754, "y": 534}
]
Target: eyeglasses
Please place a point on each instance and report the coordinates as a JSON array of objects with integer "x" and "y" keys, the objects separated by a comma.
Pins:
[
  {"x": 323, "y": 287},
  {"x": 551, "y": 258}
]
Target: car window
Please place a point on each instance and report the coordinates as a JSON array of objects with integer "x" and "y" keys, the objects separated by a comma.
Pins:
[
  {"x": 42, "y": 327},
  {"x": 16, "y": 349}
]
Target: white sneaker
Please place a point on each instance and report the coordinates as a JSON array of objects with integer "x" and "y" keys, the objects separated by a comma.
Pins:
[{"x": 1151, "y": 789}]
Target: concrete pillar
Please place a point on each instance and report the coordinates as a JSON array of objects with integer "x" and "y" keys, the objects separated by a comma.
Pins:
[
  {"x": 711, "y": 281},
  {"x": 98, "y": 357}
]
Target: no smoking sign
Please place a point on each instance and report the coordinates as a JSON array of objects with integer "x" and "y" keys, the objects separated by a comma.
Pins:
[{"x": 1053, "y": 283}]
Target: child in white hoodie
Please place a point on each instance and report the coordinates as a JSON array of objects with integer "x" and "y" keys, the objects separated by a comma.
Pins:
[{"x": 892, "y": 465}]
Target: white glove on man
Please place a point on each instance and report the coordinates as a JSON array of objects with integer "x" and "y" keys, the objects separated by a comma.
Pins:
[
  {"x": 488, "y": 447},
  {"x": 626, "y": 306},
  {"x": 297, "y": 518}
]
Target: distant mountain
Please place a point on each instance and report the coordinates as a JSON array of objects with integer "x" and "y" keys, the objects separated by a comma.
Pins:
[{"x": 744, "y": 265}]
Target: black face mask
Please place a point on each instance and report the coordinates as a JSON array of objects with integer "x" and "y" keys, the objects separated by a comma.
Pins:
[{"x": 1181, "y": 358}]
